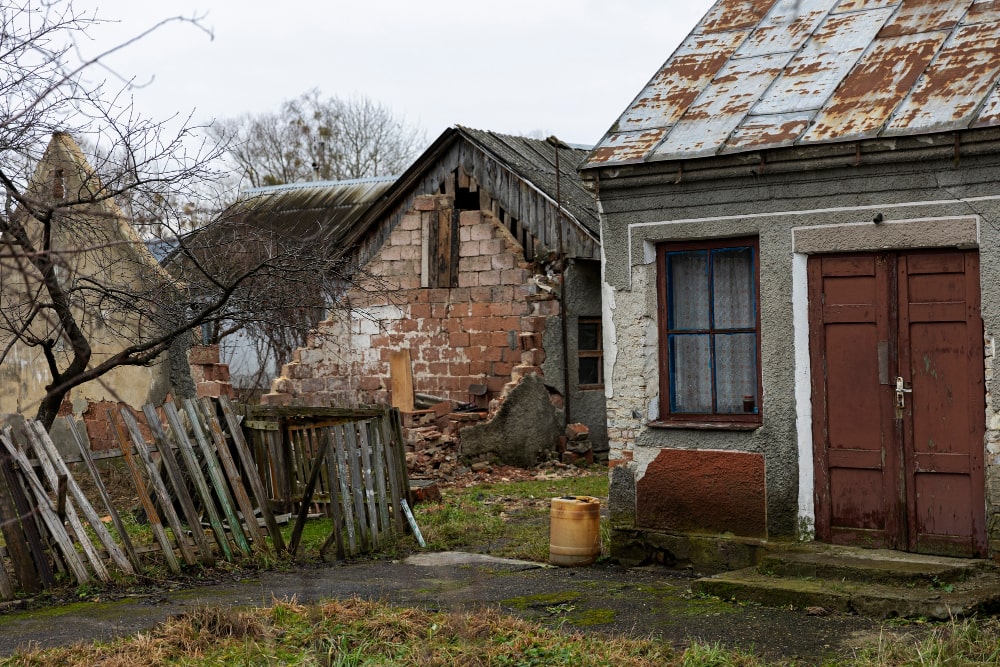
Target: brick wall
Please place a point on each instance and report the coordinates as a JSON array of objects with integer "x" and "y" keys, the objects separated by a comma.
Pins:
[{"x": 486, "y": 329}]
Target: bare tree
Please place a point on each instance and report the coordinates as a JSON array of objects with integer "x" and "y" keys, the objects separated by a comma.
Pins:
[
  {"x": 312, "y": 138},
  {"x": 78, "y": 288}
]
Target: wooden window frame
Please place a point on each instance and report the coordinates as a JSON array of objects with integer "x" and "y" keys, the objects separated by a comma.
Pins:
[
  {"x": 597, "y": 353},
  {"x": 733, "y": 421}
]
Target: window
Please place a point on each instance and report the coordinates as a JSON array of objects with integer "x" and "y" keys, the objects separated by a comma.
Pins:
[
  {"x": 710, "y": 332},
  {"x": 591, "y": 353}
]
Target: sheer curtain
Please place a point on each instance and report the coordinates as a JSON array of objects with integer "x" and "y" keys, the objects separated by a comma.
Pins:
[{"x": 712, "y": 296}]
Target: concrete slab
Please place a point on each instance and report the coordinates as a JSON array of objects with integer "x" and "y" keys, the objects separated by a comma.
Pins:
[{"x": 459, "y": 558}]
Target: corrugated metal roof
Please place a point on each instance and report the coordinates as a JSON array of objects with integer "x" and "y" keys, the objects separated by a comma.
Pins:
[
  {"x": 320, "y": 210},
  {"x": 758, "y": 74}
]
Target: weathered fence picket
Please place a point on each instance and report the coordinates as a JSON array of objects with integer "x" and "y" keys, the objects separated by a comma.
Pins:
[{"x": 347, "y": 463}]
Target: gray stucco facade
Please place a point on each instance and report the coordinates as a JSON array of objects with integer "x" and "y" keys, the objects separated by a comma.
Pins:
[{"x": 934, "y": 191}]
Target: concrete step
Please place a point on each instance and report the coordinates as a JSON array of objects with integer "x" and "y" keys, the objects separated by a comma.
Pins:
[
  {"x": 878, "y": 583},
  {"x": 878, "y": 566}
]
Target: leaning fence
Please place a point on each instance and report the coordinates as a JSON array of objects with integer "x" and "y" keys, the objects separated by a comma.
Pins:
[{"x": 206, "y": 493}]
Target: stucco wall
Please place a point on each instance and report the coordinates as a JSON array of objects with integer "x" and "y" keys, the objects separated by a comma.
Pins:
[{"x": 924, "y": 203}]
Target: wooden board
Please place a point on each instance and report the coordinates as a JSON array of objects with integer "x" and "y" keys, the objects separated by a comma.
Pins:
[{"x": 401, "y": 375}]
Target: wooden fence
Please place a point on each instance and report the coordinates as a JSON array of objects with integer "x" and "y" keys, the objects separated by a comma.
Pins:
[
  {"x": 347, "y": 463},
  {"x": 198, "y": 483}
]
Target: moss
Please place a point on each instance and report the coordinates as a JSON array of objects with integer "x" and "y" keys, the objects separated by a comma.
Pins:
[
  {"x": 541, "y": 600},
  {"x": 590, "y": 617}
]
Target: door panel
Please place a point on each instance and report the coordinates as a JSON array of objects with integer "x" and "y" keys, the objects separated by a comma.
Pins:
[{"x": 905, "y": 477}]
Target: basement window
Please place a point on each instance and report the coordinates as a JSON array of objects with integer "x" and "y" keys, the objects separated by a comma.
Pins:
[
  {"x": 710, "y": 333},
  {"x": 590, "y": 349}
]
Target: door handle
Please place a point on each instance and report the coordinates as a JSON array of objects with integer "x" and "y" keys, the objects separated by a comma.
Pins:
[{"x": 901, "y": 391}]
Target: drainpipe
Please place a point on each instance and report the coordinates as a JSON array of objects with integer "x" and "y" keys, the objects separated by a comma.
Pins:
[{"x": 558, "y": 144}]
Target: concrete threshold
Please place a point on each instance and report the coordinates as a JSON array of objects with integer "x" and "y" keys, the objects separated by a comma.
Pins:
[{"x": 879, "y": 583}]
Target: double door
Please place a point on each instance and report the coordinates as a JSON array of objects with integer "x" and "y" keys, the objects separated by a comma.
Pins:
[{"x": 896, "y": 345}]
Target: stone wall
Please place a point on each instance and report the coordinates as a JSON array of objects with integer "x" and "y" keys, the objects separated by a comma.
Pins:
[{"x": 485, "y": 327}]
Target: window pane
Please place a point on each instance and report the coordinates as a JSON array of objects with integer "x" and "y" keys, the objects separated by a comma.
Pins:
[
  {"x": 687, "y": 276},
  {"x": 589, "y": 336},
  {"x": 690, "y": 373},
  {"x": 590, "y": 370},
  {"x": 733, "y": 287},
  {"x": 736, "y": 373}
]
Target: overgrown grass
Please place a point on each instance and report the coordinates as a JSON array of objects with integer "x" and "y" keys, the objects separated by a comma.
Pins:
[
  {"x": 509, "y": 520},
  {"x": 359, "y": 632}
]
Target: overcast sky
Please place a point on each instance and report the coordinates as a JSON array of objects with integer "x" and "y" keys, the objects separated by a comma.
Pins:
[{"x": 563, "y": 67}]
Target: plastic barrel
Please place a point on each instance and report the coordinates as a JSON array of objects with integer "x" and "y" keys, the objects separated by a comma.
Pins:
[{"x": 575, "y": 531}]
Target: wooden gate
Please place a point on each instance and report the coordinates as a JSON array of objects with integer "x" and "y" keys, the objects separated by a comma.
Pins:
[
  {"x": 898, "y": 400},
  {"x": 348, "y": 463}
]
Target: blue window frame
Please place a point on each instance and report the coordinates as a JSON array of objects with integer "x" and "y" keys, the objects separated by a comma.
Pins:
[{"x": 710, "y": 331}]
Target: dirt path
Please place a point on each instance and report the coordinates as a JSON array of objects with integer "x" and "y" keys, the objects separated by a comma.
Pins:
[{"x": 641, "y": 602}]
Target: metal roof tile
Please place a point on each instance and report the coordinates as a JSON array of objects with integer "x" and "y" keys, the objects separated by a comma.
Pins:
[
  {"x": 862, "y": 68},
  {"x": 950, "y": 92},
  {"x": 707, "y": 124},
  {"x": 875, "y": 86}
]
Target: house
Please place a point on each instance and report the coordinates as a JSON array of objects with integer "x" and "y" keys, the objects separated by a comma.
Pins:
[
  {"x": 801, "y": 217},
  {"x": 98, "y": 255},
  {"x": 478, "y": 267},
  {"x": 319, "y": 214}
]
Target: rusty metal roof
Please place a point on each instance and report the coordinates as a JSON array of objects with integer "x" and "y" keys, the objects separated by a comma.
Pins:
[{"x": 758, "y": 74}]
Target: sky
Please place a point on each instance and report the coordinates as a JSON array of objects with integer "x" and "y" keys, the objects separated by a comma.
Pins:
[{"x": 532, "y": 67}]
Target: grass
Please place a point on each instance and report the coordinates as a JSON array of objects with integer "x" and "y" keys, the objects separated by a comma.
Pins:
[{"x": 359, "y": 632}]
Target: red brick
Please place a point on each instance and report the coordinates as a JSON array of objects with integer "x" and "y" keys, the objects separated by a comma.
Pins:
[
  {"x": 428, "y": 353},
  {"x": 499, "y": 339},
  {"x": 493, "y": 354},
  {"x": 458, "y": 368},
  {"x": 458, "y": 340},
  {"x": 438, "y": 295},
  {"x": 458, "y": 310},
  {"x": 478, "y": 368},
  {"x": 500, "y": 309},
  {"x": 546, "y": 308},
  {"x": 420, "y": 310},
  {"x": 203, "y": 354},
  {"x": 369, "y": 383},
  {"x": 470, "y": 218},
  {"x": 479, "y": 339},
  {"x": 513, "y": 276},
  {"x": 468, "y": 279},
  {"x": 460, "y": 294},
  {"x": 489, "y": 277},
  {"x": 476, "y": 324},
  {"x": 454, "y": 324},
  {"x": 502, "y": 293},
  {"x": 503, "y": 261},
  {"x": 482, "y": 232},
  {"x": 491, "y": 247},
  {"x": 437, "y": 368},
  {"x": 439, "y": 311},
  {"x": 477, "y": 295},
  {"x": 481, "y": 309},
  {"x": 502, "y": 368},
  {"x": 409, "y": 326},
  {"x": 495, "y": 384}
]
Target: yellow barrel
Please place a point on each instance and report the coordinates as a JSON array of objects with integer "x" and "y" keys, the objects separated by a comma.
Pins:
[{"x": 575, "y": 531}]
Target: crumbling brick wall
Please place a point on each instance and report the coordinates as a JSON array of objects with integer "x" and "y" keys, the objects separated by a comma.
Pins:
[{"x": 483, "y": 329}]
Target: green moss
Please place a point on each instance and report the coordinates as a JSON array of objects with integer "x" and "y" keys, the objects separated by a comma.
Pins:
[
  {"x": 590, "y": 617},
  {"x": 542, "y": 600}
]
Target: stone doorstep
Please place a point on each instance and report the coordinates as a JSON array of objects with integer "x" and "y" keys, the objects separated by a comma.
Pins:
[{"x": 878, "y": 583}]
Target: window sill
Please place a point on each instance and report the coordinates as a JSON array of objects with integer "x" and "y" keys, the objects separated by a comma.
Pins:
[{"x": 706, "y": 426}]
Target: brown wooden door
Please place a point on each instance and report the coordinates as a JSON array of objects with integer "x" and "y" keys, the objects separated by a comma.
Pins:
[{"x": 902, "y": 470}]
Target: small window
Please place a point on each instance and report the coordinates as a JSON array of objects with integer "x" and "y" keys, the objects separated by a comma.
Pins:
[
  {"x": 591, "y": 353},
  {"x": 710, "y": 343}
]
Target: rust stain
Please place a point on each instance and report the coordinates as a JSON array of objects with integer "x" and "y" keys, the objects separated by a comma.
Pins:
[
  {"x": 855, "y": 5},
  {"x": 876, "y": 85},
  {"x": 959, "y": 78},
  {"x": 983, "y": 12},
  {"x": 626, "y": 147},
  {"x": 917, "y": 16},
  {"x": 767, "y": 132},
  {"x": 733, "y": 15}
]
